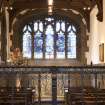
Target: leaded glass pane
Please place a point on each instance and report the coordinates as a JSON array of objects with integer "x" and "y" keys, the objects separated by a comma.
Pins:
[
  {"x": 41, "y": 26},
  {"x": 71, "y": 45},
  {"x": 27, "y": 45},
  {"x": 38, "y": 43},
  {"x": 73, "y": 28},
  {"x": 57, "y": 26},
  {"x": 25, "y": 28},
  {"x": 48, "y": 28},
  {"x": 35, "y": 26},
  {"x": 29, "y": 28},
  {"x": 49, "y": 54},
  {"x": 69, "y": 28},
  {"x": 63, "y": 26},
  {"x": 60, "y": 43}
]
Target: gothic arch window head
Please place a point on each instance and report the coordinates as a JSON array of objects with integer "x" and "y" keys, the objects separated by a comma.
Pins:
[{"x": 53, "y": 39}]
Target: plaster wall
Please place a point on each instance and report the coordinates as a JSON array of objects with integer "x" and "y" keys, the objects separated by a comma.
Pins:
[{"x": 97, "y": 36}]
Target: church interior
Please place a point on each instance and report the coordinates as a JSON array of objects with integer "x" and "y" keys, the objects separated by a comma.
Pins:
[{"x": 52, "y": 52}]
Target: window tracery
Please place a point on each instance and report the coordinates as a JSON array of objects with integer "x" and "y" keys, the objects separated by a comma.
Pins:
[{"x": 53, "y": 39}]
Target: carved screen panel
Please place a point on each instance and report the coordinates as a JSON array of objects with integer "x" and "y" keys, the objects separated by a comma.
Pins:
[
  {"x": 46, "y": 87},
  {"x": 62, "y": 84}
]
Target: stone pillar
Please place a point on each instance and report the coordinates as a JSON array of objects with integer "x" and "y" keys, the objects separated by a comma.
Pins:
[
  {"x": 7, "y": 32},
  {"x": 3, "y": 36}
]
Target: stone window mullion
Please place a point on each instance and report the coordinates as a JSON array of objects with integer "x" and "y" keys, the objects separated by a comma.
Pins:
[{"x": 32, "y": 45}]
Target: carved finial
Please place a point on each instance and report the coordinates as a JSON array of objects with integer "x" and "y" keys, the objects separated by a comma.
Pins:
[{"x": 1, "y": 2}]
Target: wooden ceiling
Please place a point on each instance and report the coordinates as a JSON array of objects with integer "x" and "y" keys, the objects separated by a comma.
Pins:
[
  {"x": 84, "y": 7},
  {"x": 74, "y": 4}
]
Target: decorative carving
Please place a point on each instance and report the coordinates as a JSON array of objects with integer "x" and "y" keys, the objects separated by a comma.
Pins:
[
  {"x": 101, "y": 52},
  {"x": 1, "y": 2},
  {"x": 100, "y": 10}
]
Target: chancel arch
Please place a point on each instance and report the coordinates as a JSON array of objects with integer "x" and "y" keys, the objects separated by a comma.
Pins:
[
  {"x": 53, "y": 39},
  {"x": 66, "y": 32}
]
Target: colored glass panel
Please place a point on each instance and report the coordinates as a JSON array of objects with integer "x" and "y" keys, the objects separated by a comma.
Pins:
[
  {"x": 60, "y": 43},
  {"x": 27, "y": 45},
  {"x": 48, "y": 33},
  {"x": 71, "y": 45},
  {"x": 38, "y": 43},
  {"x": 49, "y": 43}
]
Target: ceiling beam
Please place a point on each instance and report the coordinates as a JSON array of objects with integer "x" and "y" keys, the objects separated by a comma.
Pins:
[{"x": 22, "y": 5}]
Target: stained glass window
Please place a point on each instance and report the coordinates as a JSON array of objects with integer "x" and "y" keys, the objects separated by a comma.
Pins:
[
  {"x": 63, "y": 26},
  {"x": 40, "y": 26},
  {"x": 53, "y": 38},
  {"x": 27, "y": 45},
  {"x": 60, "y": 45},
  {"x": 49, "y": 42},
  {"x": 38, "y": 43},
  {"x": 35, "y": 26},
  {"x": 57, "y": 26},
  {"x": 71, "y": 45}
]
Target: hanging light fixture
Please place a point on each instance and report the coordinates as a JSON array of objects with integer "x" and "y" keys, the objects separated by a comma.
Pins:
[
  {"x": 50, "y": 2},
  {"x": 50, "y": 7}
]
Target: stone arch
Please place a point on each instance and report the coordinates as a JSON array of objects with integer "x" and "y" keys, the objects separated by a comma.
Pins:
[{"x": 26, "y": 17}]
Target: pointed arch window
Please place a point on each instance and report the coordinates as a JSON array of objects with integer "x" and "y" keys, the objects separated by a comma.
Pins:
[
  {"x": 71, "y": 42},
  {"x": 53, "y": 39},
  {"x": 38, "y": 44},
  {"x": 49, "y": 42},
  {"x": 60, "y": 42},
  {"x": 27, "y": 45}
]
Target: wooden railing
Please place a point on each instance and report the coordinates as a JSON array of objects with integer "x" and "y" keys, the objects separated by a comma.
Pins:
[
  {"x": 57, "y": 69},
  {"x": 12, "y": 96}
]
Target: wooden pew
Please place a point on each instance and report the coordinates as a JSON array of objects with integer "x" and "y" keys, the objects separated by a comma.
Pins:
[
  {"x": 15, "y": 96},
  {"x": 86, "y": 96}
]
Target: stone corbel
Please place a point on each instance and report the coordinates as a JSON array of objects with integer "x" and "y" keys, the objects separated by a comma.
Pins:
[{"x": 100, "y": 10}]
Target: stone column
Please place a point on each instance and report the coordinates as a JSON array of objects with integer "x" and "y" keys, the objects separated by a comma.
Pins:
[{"x": 7, "y": 32}]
